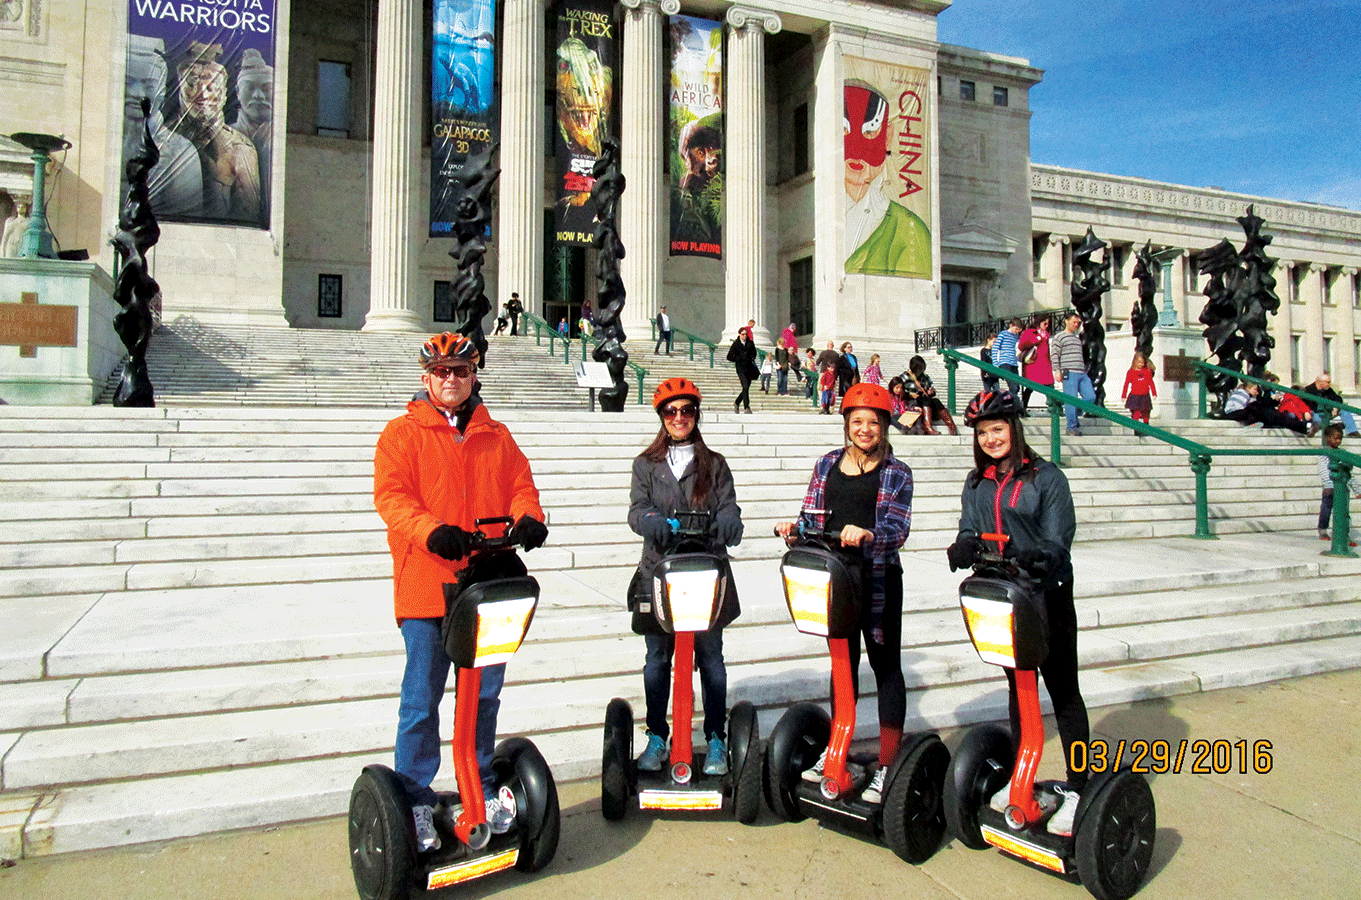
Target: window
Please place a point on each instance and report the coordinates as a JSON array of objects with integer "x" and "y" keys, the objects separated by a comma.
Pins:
[
  {"x": 801, "y": 139},
  {"x": 1119, "y": 258},
  {"x": 333, "y": 98},
  {"x": 801, "y": 295},
  {"x": 444, "y": 301},
  {"x": 1330, "y": 364},
  {"x": 1294, "y": 359},
  {"x": 966, "y": 90},
  {"x": 1297, "y": 276},
  {"x": 1330, "y": 279},
  {"x": 1000, "y": 97},
  {"x": 330, "y": 290},
  {"x": 1038, "y": 244}
]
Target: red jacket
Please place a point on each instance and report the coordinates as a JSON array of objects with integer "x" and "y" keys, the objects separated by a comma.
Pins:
[
  {"x": 1139, "y": 381},
  {"x": 426, "y": 474}
]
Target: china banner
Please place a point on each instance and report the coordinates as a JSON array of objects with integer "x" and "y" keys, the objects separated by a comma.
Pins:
[
  {"x": 888, "y": 164},
  {"x": 696, "y": 135},
  {"x": 462, "y": 79},
  {"x": 206, "y": 70},
  {"x": 585, "y": 116}
]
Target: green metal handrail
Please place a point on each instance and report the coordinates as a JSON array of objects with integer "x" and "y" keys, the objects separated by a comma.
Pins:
[
  {"x": 693, "y": 339},
  {"x": 587, "y": 346},
  {"x": 1204, "y": 368},
  {"x": 1340, "y": 462}
]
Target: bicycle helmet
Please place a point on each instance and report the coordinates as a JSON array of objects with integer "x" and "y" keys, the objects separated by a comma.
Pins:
[
  {"x": 672, "y": 388},
  {"x": 870, "y": 396},
  {"x": 448, "y": 347},
  {"x": 992, "y": 405}
]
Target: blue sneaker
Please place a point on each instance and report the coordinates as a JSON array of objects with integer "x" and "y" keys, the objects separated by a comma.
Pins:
[
  {"x": 716, "y": 761},
  {"x": 655, "y": 754}
]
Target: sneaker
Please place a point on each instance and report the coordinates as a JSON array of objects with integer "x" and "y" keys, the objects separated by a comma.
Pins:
[
  {"x": 1323, "y": 535},
  {"x": 1075, "y": 432},
  {"x": 654, "y": 755},
  {"x": 875, "y": 792},
  {"x": 1002, "y": 799},
  {"x": 427, "y": 838},
  {"x": 1061, "y": 822},
  {"x": 501, "y": 810},
  {"x": 716, "y": 761},
  {"x": 815, "y": 774}
]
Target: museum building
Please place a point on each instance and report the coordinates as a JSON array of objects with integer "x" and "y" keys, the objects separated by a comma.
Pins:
[{"x": 928, "y": 211}]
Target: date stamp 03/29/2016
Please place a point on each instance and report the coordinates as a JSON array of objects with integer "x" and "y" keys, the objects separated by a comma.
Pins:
[{"x": 1160, "y": 757}]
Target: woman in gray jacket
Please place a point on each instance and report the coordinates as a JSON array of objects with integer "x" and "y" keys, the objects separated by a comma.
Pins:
[{"x": 679, "y": 472}]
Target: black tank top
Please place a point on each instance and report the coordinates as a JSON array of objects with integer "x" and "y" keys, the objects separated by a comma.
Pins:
[{"x": 852, "y": 499}]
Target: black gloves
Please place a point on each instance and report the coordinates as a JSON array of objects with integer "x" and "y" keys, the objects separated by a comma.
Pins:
[
  {"x": 729, "y": 530},
  {"x": 449, "y": 542},
  {"x": 964, "y": 552},
  {"x": 655, "y": 528},
  {"x": 528, "y": 532},
  {"x": 1032, "y": 559}
]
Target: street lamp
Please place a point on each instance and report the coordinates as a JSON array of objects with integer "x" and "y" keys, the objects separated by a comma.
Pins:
[{"x": 37, "y": 242}]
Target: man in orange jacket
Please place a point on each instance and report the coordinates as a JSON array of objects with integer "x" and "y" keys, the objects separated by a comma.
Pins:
[{"x": 436, "y": 470}]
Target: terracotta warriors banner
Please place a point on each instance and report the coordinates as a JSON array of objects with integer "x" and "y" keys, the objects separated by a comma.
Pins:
[
  {"x": 587, "y": 32},
  {"x": 462, "y": 79},
  {"x": 206, "y": 67},
  {"x": 696, "y": 132},
  {"x": 888, "y": 169}
]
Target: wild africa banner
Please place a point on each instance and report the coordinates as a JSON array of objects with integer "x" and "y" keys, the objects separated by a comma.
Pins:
[
  {"x": 206, "y": 68},
  {"x": 585, "y": 86},
  {"x": 462, "y": 78},
  {"x": 696, "y": 133},
  {"x": 887, "y": 169}
]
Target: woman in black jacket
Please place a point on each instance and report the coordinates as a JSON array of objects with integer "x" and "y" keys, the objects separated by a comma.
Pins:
[
  {"x": 1012, "y": 491},
  {"x": 742, "y": 354},
  {"x": 679, "y": 472}
]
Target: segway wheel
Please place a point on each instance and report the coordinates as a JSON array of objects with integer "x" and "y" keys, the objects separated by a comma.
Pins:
[
  {"x": 744, "y": 742},
  {"x": 981, "y": 766},
  {"x": 614, "y": 764},
  {"x": 519, "y": 764},
  {"x": 914, "y": 817},
  {"x": 382, "y": 836},
  {"x": 795, "y": 744},
  {"x": 1115, "y": 837}
]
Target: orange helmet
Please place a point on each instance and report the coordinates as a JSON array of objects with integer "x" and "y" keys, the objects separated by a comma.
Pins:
[
  {"x": 445, "y": 348},
  {"x": 870, "y": 396},
  {"x": 672, "y": 388}
]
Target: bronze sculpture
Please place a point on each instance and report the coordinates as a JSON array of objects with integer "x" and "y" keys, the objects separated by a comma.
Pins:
[
  {"x": 472, "y": 220},
  {"x": 609, "y": 348},
  {"x": 133, "y": 288},
  {"x": 1239, "y": 297},
  {"x": 1091, "y": 280},
  {"x": 1144, "y": 316}
]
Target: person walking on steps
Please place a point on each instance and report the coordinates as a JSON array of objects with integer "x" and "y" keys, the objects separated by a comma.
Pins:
[
  {"x": 1066, "y": 348},
  {"x": 864, "y": 493},
  {"x": 742, "y": 354},
  {"x": 678, "y": 471},
  {"x": 663, "y": 332},
  {"x": 1012, "y": 491},
  {"x": 436, "y": 470}
]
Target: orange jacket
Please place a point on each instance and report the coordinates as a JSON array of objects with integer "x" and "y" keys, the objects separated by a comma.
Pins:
[{"x": 426, "y": 474}]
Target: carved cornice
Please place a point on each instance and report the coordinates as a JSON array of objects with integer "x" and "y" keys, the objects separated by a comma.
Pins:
[
  {"x": 645, "y": 7},
  {"x": 745, "y": 17}
]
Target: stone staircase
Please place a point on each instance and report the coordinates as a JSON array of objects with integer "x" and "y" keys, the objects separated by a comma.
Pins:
[{"x": 198, "y": 623}]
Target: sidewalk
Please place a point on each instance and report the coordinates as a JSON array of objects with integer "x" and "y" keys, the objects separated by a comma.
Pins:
[{"x": 1293, "y": 832}]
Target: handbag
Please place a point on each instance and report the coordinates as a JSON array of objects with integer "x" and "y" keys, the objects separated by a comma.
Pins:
[{"x": 1029, "y": 356}]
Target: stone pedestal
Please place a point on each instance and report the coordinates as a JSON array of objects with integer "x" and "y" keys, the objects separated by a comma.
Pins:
[
  {"x": 58, "y": 375},
  {"x": 1174, "y": 401}
]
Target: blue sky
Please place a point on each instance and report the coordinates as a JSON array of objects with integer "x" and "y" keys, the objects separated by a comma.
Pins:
[{"x": 1259, "y": 97}]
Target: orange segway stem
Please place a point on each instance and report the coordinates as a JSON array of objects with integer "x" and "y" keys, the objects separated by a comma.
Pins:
[{"x": 469, "y": 780}]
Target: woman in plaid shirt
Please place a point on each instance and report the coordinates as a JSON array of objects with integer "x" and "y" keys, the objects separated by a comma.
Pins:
[{"x": 864, "y": 492}]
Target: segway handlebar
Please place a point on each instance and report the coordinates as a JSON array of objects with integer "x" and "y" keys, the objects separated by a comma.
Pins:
[{"x": 479, "y": 541}]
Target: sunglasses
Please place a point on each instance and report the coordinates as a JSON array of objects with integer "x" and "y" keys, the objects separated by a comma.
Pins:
[
  {"x": 443, "y": 372},
  {"x": 688, "y": 411}
]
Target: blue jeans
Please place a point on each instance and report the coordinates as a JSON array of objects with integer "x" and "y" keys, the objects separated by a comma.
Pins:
[
  {"x": 1348, "y": 420},
  {"x": 418, "y": 741},
  {"x": 782, "y": 381},
  {"x": 713, "y": 681},
  {"x": 1076, "y": 384}
]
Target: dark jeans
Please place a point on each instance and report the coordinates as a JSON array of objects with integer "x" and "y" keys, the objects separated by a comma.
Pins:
[
  {"x": 1268, "y": 415},
  {"x": 743, "y": 399},
  {"x": 1060, "y": 679},
  {"x": 1325, "y": 509},
  {"x": 781, "y": 381},
  {"x": 1013, "y": 386},
  {"x": 886, "y": 659},
  {"x": 663, "y": 338},
  {"x": 713, "y": 681}
]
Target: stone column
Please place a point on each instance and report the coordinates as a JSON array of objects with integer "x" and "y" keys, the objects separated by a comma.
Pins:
[
  {"x": 519, "y": 234},
  {"x": 1344, "y": 323},
  {"x": 1056, "y": 295},
  {"x": 1282, "y": 326},
  {"x": 744, "y": 220},
  {"x": 396, "y": 170},
  {"x": 643, "y": 207},
  {"x": 1311, "y": 292}
]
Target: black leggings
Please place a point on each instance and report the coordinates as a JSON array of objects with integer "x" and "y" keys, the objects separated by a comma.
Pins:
[
  {"x": 1060, "y": 680},
  {"x": 886, "y": 659},
  {"x": 743, "y": 399}
]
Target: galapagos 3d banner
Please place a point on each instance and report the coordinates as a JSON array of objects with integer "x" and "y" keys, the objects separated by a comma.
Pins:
[
  {"x": 462, "y": 87},
  {"x": 695, "y": 130},
  {"x": 586, "y": 47}
]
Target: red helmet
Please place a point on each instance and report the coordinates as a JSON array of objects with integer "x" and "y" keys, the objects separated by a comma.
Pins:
[
  {"x": 870, "y": 396},
  {"x": 448, "y": 347},
  {"x": 672, "y": 388},
  {"x": 991, "y": 405}
]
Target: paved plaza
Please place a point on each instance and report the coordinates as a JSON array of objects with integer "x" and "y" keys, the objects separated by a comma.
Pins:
[{"x": 1293, "y": 832}]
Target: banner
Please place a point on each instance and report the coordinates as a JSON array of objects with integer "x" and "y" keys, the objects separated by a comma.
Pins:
[
  {"x": 207, "y": 69},
  {"x": 696, "y": 132},
  {"x": 888, "y": 169},
  {"x": 462, "y": 78},
  {"x": 585, "y": 85}
]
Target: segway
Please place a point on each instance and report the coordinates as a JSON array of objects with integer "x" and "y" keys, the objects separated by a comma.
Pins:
[
  {"x": 688, "y": 587},
  {"x": 1113, "y": 831},
  {"x": 489, "y": 611},
  {"x": 822, "y": 585}
]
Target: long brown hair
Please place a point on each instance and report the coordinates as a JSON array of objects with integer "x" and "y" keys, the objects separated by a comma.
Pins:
[
  {"x": 1022, "y": 458},
  {"x": 883, "y": 448},
  {"x": 705, "y": 461}
]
